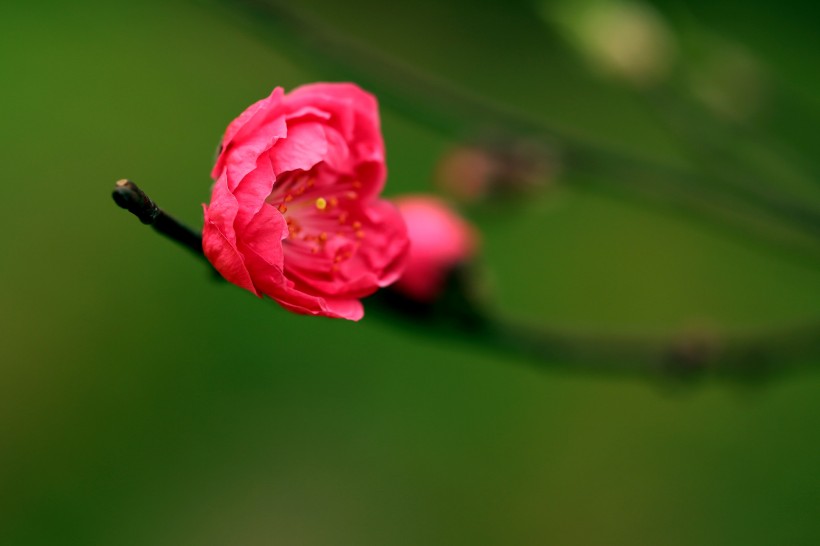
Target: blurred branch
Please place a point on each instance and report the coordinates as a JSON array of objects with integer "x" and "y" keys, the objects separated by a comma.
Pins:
[
  {"x": 784, "y": 223},
  {"x": 710, "y": 145},
  {"x": 688, "y": 355}
]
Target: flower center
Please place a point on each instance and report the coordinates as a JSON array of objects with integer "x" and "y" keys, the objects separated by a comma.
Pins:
[{"x": 323, "y": 213}]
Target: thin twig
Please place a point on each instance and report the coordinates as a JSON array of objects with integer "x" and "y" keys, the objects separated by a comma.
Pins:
[{"x": 130, "y": 197}]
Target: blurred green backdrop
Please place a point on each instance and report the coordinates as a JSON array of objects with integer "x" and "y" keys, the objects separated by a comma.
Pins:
[{"x": 143, "y": 403}]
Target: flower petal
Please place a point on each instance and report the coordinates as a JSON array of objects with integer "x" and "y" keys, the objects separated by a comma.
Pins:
[
  {"x": 255, "y": 131},
  {"x": 253, "y": 190},
  {"x": 304, "y": 147},
  {"x": 224, "y": 256},
  {"x": 355, "y": 111}
]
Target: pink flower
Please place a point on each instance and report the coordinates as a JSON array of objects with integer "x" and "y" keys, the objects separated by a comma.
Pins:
[
  {"x": 439, "y": 240},
  {"x": 295, "y": 213}
]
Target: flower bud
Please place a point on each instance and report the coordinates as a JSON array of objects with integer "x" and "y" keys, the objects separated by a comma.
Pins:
[
  {"x": 440, "y": 240},
  {"x": 496, "y": 167}
]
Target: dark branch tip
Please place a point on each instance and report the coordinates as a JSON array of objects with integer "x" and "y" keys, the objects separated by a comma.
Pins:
[
  {"x": 130, "y": 197},
  {"x": 123, "y": 194}
]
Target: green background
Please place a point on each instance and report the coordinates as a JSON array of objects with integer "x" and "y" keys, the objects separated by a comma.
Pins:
[{"x": 143, "y": 403}]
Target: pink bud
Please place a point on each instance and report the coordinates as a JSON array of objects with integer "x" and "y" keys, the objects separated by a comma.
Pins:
[
  {"x": 496, "y": 167},
  {"x": 440, "y": 240}
]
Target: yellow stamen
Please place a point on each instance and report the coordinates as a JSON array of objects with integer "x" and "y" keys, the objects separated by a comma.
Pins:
[{"x": 321, "y": 203}]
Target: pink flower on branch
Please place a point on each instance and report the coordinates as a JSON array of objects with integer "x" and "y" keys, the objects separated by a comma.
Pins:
[
  {"x": 440, "y": 240},
  {"x": 295, "y": 213}
]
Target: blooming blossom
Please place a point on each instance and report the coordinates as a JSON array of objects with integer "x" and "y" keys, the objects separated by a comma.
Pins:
[{"x": 295, "y": 212}]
